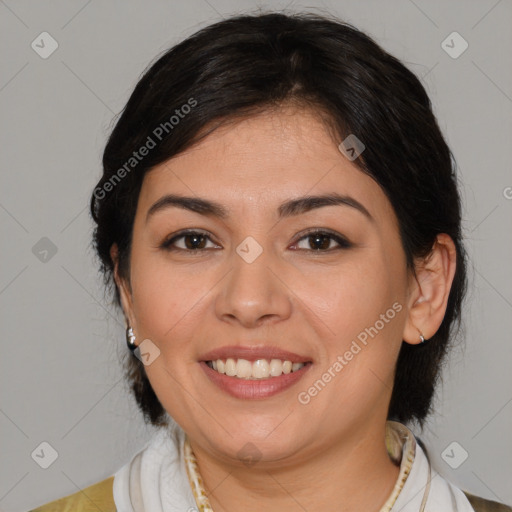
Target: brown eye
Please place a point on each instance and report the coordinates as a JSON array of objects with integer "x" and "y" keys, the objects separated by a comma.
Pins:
[
  {"x": 320, "y": 241},
  {"x": 194, "y": 241}
]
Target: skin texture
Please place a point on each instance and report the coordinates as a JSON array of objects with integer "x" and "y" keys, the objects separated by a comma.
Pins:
[{"x": 307, "y": 301}]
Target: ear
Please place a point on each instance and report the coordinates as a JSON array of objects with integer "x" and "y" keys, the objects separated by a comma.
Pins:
[
  {"x": 124, "y": 289},
  {"x": 429, "y": 290}
]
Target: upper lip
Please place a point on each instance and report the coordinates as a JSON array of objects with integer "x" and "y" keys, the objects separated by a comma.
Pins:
[{"x": 252, "y": 353}]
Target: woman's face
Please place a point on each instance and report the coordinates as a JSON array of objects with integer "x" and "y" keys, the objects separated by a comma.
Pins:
[{"x": 256, "y": 286}]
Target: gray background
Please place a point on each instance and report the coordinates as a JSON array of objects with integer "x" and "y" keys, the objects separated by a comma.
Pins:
[{"x": 62, "y": 341}]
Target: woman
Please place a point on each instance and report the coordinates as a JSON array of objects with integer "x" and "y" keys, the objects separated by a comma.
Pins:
[{"x": 280, "y": 217}]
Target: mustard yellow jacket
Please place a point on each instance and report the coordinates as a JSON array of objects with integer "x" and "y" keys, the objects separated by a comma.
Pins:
[{"x": 100, "y": 497}]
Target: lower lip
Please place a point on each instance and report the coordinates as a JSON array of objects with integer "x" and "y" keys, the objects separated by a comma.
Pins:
[{"x": 248, "y": 389}]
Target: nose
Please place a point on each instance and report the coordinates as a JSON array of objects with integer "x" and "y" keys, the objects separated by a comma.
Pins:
[{"x": 252, "y": 294}]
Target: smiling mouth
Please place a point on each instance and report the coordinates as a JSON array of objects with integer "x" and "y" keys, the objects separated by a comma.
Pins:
[{"x": 254, "y": 370}]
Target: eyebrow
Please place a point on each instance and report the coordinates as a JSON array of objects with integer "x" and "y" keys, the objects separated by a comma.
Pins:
[{"x": 289, "y": 208}]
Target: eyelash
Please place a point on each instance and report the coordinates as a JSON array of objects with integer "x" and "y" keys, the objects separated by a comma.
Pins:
[{"x": 342, "y": 241}]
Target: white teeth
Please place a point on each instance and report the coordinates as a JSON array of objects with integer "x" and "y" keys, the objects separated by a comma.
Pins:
[
  {"x": 276, "y": 367},
  {"x": 230, "y": 367},
  {"x": 243, "y": 369},
  {"x": 259, "y": 369}
]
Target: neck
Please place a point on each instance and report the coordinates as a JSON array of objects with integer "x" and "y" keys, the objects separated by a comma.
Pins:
[{"x": 354, "y": 474}]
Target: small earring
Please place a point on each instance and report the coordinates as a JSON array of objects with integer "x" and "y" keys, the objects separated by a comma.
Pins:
[
  {"x": 422, "y": 338},
  {"x": 130, "y": 339}
]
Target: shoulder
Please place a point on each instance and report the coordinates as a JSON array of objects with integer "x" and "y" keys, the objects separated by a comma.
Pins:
[
  {"x": 96, "y": 497},
  {"x": 483, "y": 505}
]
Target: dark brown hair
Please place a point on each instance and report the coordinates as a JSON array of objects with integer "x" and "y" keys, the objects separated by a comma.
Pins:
[{"x": 248, "y": 64}]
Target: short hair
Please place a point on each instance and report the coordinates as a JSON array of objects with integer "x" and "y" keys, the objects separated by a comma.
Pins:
[{"x": 251, "y": 64}]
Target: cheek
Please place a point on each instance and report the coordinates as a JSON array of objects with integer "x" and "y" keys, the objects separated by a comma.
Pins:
[
  {"x": 166, "y": 300},
  {"x": 365, "y": 313},
  {"x": 363, "y": 306},
  {"x": 351, "y": 297}
]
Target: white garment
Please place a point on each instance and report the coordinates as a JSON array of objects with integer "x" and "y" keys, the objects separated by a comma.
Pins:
[
  {"x": 155, "y": 480},
  {"x": 442, "y": 496}
]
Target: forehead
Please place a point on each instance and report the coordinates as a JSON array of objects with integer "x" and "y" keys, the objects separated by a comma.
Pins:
[{"x": 263, "y": 160}]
